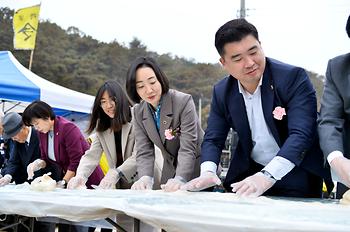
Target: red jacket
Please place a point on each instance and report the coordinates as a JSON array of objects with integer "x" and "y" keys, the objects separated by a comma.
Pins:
[{"x": 69, "y": 146}]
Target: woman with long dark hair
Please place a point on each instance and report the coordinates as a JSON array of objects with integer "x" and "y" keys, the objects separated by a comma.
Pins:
[{"x": 111, "y": 122}]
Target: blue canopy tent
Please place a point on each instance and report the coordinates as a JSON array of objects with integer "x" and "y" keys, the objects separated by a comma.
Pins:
[{"x": 19, "y": 86}]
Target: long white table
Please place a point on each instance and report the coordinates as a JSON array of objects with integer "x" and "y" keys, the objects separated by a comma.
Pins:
[{"x": 180, "y": 211}]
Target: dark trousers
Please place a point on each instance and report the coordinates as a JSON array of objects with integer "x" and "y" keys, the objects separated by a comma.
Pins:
[{"x": 297, "y": 183}]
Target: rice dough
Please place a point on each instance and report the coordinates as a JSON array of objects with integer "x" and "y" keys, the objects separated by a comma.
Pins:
[{"x": 43, "y": 183}]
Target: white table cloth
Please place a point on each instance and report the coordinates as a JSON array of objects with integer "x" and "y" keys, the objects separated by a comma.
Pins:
[{"x": 180, "y": 211}]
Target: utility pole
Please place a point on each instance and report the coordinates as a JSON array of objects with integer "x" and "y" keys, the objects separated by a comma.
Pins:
[{"x": 242, "y": 12}]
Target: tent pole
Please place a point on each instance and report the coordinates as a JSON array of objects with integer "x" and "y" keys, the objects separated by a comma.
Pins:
[{"x": 31, "y": 59}]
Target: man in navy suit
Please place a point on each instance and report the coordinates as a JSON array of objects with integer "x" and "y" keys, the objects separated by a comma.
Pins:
[
  {"x": 272, "y": 107},
  {"x": 24, "y": 151}
]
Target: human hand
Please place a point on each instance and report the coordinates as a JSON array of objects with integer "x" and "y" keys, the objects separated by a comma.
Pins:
[
  {"x": 5, "y": 180},
  {"x": 341, "y": 166},
  {"x": 77, "y": 182},
  {"x": 144, "y": 183},
  {"x": 34, "y": 166},
  {"x": 173, "y": 184},
  {"x": 110, "y": 179},
  {"x": 205, "y": 180},
  {"x": 253, "y": 186}
]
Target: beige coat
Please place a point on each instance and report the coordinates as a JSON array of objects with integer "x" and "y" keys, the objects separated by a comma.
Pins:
[
  {"x": 104, "y": 142},
  {"x": 181, "y": 154}
]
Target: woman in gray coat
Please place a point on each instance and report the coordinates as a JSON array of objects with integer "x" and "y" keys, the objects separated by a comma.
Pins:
[{"x": 164, "y": 119}]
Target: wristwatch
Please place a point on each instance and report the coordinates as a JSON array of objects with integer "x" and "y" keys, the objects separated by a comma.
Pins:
[{"x": 267, "y": 174}]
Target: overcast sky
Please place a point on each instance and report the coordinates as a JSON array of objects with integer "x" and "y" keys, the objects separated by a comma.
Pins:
[{"x": 306, "y": 33}]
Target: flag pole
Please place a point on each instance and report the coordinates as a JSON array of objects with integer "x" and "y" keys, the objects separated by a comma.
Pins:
[{"x": 31, "y": 59}]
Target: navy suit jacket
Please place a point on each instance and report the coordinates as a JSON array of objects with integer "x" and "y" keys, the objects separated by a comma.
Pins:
[
  {"x": 296, "y": 134},
  {"x": 20, "y": 157}
]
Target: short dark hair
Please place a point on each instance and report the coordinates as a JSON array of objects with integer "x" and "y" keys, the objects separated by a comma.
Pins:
[
  {"x": 131, "y": 76},
  {"x": 233, "y": 31},
  {"x": 37, "y": 109},
  {"x": 348, "y": 27},
  {"x": 99, "y": 120}
]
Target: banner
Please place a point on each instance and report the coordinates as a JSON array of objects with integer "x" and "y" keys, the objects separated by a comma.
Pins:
[{"x": 25, "y": 27}]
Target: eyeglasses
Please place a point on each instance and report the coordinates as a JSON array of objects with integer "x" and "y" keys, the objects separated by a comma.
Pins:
[{"x": 111, "y": 101}]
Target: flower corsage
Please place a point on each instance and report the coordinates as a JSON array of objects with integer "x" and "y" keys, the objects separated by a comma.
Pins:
[
  {"x": 170, "y": 133},
  {"x": 279, "y": 112}
]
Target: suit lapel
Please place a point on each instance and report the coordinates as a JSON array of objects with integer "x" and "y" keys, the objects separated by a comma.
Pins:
[
  {"x": 166, "y": 116},
  {"x": 125, "y": 132},
  {"x": 149, "y": 125},
  {"x": 108, "y": 136},
  {"x": 33, "y": 142},
  {"x": 239, "y": 114},
  {"x": 56, "y": 139},
  {"x": 267, "y": 102}
]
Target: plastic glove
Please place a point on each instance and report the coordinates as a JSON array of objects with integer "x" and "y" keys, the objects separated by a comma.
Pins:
[
  {"x": 77, "y": 182},
  {"x": 61, "y": 184},
  {"x": 205, "y": 180},
  {"x": 110, "y": 179},
  {"x": 5, "y": 180},
  {"x": 173, "y": 184},
  {"x": 35, "y": 166},
  {"x": 144, "y": 183},
  {"x": 253, "y": 186},
  {"x": 341, "y": 166}
]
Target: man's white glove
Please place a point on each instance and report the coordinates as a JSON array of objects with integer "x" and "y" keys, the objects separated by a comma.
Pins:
[
  {"x": 173, "y": 184},
  {"x": 253, "y": 186},
  {"x": 77, "y": 182},
  {"x": 110, "y": 179},
  {"x": 144, "y": 183},
  {"x": 205, "y": 180},
  {"x": 35, "y": 166},
  {"x": 5, "y": 180},
  {"x": 341, "y": 166}
]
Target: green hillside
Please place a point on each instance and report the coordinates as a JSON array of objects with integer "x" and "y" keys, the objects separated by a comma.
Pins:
[{"x": 77, "y": 61}]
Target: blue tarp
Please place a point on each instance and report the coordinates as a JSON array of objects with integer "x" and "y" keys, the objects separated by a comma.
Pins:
[
  {"x": 20, "y": 86},
  {"x": 14, "y": 85}
]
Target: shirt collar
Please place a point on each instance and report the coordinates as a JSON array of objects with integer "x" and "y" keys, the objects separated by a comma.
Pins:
[
  {"x": 157, "y": 109},
  {"x": 29, "y": 134},
  {"x": 243, "y": 91}
]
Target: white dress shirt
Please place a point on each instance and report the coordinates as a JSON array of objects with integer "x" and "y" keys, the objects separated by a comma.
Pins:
[
  {"x": 29, "y": 135},
  {"x": 51, "y": 148}
]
